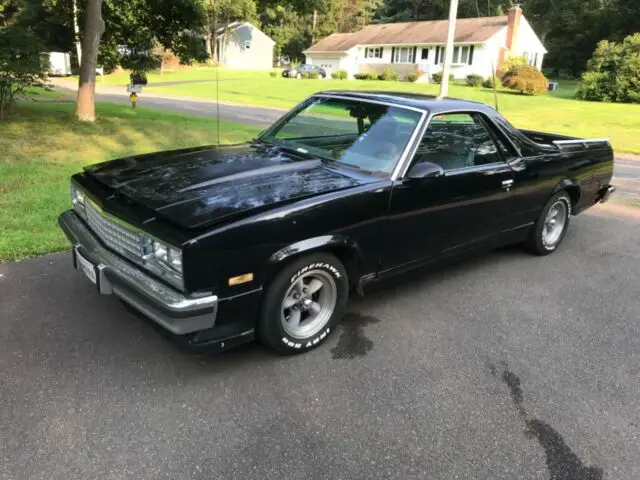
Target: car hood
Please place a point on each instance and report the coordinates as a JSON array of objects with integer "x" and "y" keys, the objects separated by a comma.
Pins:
[{"x": 201, "y": 186}]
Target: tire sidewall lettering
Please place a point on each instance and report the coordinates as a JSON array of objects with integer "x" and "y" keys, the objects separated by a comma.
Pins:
[
  {"x": 324, "y": 266},
  {"x": 297, "y": 344}
]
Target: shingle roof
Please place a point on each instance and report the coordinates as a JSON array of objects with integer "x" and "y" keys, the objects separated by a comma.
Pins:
[{"x": 433, "y": 31}]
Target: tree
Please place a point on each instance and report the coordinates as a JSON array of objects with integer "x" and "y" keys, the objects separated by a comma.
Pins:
[
  {"x": 21, "y": 66},
  {"x": 93, "y": 30},
  {"x": 614, "y": 72}
]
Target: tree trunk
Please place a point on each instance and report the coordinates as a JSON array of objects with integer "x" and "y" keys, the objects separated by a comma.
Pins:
[{"x": 93, "y": 30}]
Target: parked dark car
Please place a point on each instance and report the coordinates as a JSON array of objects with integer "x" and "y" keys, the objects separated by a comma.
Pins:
[
  {"x": 300, "y": 70},
  {"x": 267, "y": 239}
]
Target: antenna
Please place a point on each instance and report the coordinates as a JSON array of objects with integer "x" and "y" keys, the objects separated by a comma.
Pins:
[
  {"x": 218, "y": 102},
  {"x": 495, "y": 92}
]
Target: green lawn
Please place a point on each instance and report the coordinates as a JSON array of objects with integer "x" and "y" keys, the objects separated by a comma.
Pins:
[
  {"x": 42, "y": 146},
  {"x": 556, "y": 112}
]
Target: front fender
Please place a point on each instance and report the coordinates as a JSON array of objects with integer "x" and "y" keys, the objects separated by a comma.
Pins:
[{"x": 344, "y": 247}]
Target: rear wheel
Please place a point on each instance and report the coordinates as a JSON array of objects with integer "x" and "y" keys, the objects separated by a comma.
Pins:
[
  {"x": 551, "y": 226},
  {"x": 304, "y": 303}
]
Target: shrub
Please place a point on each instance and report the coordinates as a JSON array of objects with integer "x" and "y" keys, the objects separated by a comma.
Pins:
[
  {"x": 304, "y": 74},
  {"x": 437, "y": 77},
  {"x": 526, "y": 79},
  {"x": 313, "y": 74},
  {"x": 474, "y": 80},
  {"x": 488, "y": 83},
  {"x": 339, "y": 74},
  {"x": 389, "y": 74},
  {"x": 273, "y": 73},
  {"x": 366, "y": 76},
  {"x": 412, "y": 77},
  {"x": 613, "y": 72}
]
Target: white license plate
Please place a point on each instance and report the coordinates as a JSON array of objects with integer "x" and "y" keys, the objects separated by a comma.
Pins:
[{"x": 87, "y": 268}]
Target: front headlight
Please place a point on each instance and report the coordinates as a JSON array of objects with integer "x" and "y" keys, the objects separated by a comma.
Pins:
[
  {"x": 78, "y": 200},
  {"x": 166, "y": 256}
]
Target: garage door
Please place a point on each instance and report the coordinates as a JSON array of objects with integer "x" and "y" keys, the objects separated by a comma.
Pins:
[{"x": 330, "y": 63}]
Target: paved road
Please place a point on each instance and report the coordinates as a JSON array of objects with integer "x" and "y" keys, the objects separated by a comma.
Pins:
[
  {"x": 506, "y": 367},
  {"x": 261, "y": 117}
]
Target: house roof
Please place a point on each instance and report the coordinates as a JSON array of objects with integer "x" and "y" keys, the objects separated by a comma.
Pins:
[
  {"x": 235, "y": 25},
  {"x": 472, "y": 30}
]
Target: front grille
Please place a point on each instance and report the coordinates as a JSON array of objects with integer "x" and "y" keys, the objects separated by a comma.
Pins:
[{"x": 115, "y": 236}]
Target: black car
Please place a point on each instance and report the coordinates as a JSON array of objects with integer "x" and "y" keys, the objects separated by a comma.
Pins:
[
  {"x": 220, "y": 245},
  {"x": 300, "y": 70}
]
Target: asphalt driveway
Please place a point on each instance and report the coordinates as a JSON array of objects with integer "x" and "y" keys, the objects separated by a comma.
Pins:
[{"x": 506, "y": 366}]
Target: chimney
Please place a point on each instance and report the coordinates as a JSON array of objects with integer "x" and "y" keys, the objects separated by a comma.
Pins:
[{"x": 514, "y": 14}]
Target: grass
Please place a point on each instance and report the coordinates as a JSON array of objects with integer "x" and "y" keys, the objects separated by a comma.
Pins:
[
  {"x": 42, "y": 146},
  {"x": 556, "y": 112}
]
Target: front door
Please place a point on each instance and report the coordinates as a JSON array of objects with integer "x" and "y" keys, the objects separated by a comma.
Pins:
[{"x": 466, "y": 205}]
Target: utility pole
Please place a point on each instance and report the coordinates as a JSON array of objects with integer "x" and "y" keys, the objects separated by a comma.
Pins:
[
  {"x": 448, "y": 53},
  {"x": 313, "y": 28}
]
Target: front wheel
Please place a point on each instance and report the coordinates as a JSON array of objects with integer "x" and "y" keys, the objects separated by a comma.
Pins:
[
  {"x": 304, "y": 303},
  {"x": 551, "y": 226}
]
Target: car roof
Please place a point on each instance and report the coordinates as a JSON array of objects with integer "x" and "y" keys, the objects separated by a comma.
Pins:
[{"x": 415, "y": 100}]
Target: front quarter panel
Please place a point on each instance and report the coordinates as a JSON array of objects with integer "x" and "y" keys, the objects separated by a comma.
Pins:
[{"x": 259, "y": 244}]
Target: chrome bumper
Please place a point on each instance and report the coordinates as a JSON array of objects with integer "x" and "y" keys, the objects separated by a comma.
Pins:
[{"x": 166, "y": 306}]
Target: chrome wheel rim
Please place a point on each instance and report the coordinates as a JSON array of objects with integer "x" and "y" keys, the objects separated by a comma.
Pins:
[
  {"x": 554, "y": 224},
  {"x": 308, "y": 304}
]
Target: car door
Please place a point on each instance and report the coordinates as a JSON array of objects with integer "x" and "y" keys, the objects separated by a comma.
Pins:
[{"x": 468, "y": 203}]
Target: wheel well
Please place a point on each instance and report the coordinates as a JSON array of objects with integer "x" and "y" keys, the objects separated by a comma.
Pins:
[
  {"x": 574, "y": 194},
  {"x": 346, "y": 255}
]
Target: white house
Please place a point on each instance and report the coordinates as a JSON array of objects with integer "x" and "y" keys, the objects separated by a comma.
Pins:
[
  {"x": 244, "y": 46},
  {"x": 480, "y": 46}
]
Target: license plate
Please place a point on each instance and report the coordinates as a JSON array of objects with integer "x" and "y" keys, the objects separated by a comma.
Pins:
[{"x": 87, "y": 268}]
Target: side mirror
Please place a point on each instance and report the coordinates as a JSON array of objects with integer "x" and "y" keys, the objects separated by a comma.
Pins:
[{"x": 425, "y": 170}]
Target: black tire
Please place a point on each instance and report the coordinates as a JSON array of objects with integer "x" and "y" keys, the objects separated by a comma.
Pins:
[
  {"x": 536, "y": 243},
  {"x": 274, "y": 327}
]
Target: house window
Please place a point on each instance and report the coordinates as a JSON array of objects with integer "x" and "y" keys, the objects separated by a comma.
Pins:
[
  {"x": 531, "y": 58},
  {"x": 461, "y": 55},
  {"x": 402, "y": 55},
  {"x": 425, "y": 54},
  {"x": 373, "y": 52},
  {"x": 247, "y": 44}
]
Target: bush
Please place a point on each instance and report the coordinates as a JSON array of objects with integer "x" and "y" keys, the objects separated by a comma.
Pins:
[
  {"x": 313, "y": 74},
  {"x": 437, "y": 77},
  {"x": 339, "y": 75},
  {"x": 389, "y": 74},
  {"x": 412, "y": 77},
  {"x": 304, "y": 75},
  {"x": 273, "y": 74},
  {"x": 366, "y": 76},
  {"x": 488, "y": 83},
  {"x": 526, "y": 79},
  {"x": 613, "y": 72},
  {"x": 474, "y": 80}
]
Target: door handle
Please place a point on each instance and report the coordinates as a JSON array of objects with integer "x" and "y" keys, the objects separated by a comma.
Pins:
[{"x": 507, "y": 184}]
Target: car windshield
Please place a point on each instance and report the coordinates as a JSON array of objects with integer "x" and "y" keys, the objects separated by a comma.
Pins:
[{"x": 363, "y": 135}]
